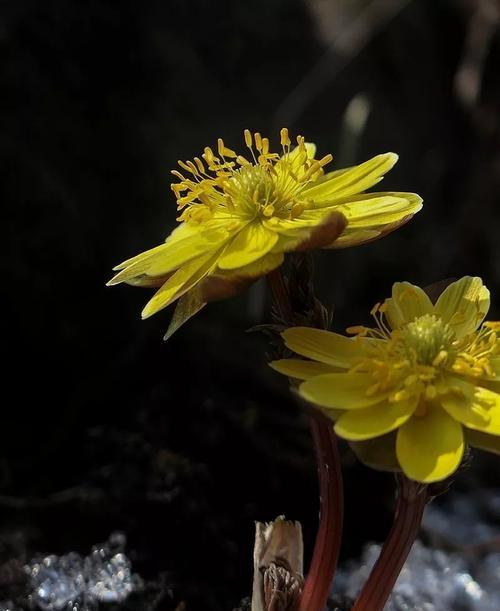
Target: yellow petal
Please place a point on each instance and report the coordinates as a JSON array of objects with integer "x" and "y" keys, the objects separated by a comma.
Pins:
[
  {"x": 172, "y": 255},
  {"x": 474, "y": 406},
  {"x": 460, "y": 403},
  {"x": 358, "y": 425},
  {"x": 292, "y": 232},
  {"x": 430, "y": 448},
  {"x": 324, "y": 346},
  {"x": 179, "y": 283},
  {"x": 464, "y": 304},
  {"x": 250, "y": 244},
  {"x": 341, "y": 391},
  {"x": 325, "y": 233},
  {"x": 483, "y": 441},
  {"x": 140, "y": 257},
  {"x": 378, "y": 453},
  {"x": 407, "y": 303},
  {"x": 149, "y": 282},
  {"x": 311, "y": 222},
  {"x": 180, "y": 232},
  {"x": 375, "y": 210},
  {"x": 226, "y": 283},
  {"x": 352, "y": 180},
  {"x": 299, "y": 369},
  {"x": 356, "y": 237},
  {"x": 256, "y": 269}
]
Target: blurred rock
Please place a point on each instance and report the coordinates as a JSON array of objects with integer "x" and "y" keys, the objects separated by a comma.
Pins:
[{"x": 464, "y": 577}]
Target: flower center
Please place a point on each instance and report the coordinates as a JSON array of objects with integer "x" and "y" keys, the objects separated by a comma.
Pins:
[
  {"x": 428, "y": 340},
  {"x": 255, "y": 191},
  {"x": 267, "y": 186},
  {"x": 405, "y": 362},
  {"x": 408, "y": 363}
]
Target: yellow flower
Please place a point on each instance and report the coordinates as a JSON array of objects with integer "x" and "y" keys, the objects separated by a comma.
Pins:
[
  {"x": 240, "y": 215},
  {"x": 423, "y": 379}
]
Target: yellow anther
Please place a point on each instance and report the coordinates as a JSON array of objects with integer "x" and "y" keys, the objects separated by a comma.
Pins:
[
  {"x": 199, "y": 163},
  {"x": 375, "y": 309},
  {"x": 223, "y": 150},
  {"x": 325, "y": 160},
  {"x": 255, "y": 196},
  {"x": 208, "y": 155},
  {"x": 187, "y": 199},
  {"x": 440, "y": 358},
  {"x": 185, "y": 166},
  {"x": 179, "y": 187},
  {"x": 492, "y": 324},
  {"x": 192, "y": 168},
  {"x": 411, "y": 379},
  {"x": 270, "y": 183},
  {"x": 399, "y": 395},
  {"x": 459, "y": 367},
  {"x": 285, "y": 139},
  {"x": 314, "y": 167}
]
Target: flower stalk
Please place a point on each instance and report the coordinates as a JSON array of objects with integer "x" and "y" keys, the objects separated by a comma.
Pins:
[
  {"x": 281, "y": 297},
  {"x": 326, "y": 550},
  {"x": 412, "y": 498},
  {"x": 325, "y": 556}
]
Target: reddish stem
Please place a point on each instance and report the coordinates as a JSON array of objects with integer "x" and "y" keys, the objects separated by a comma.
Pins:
[
  {"x": 325, "y": 556},
  {"x": 410, "y": 506},
  {"x": 328, "y": 539}
]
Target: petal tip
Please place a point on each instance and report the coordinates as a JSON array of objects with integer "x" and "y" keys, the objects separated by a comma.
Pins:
[
  {"x": 391, "y": 157},
  {"x": 147, "y": 312}
]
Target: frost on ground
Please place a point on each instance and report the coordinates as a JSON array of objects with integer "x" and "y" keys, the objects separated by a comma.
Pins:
[{"x": 78, "y": 583}]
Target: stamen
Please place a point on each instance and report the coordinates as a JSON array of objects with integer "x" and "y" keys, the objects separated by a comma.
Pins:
[
  {"x": 285, "y": 139},
  {"x": 185, "y": 166},
  {"x": 265, "y": 185},
  {"x": 248, "y": 138},
  {"x": 199, "y": 163},
  {"x": 325, "y": 160},
  {"x": 440, "y": 358}
]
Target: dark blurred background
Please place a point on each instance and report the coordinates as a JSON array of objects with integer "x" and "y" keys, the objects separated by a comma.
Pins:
[{"x": 182, "y": 445}]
